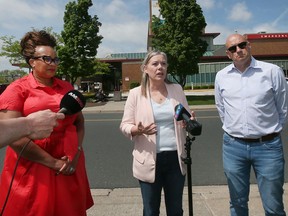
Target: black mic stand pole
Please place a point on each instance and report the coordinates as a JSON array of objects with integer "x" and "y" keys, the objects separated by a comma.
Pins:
[{"x": 188, "y": 162}]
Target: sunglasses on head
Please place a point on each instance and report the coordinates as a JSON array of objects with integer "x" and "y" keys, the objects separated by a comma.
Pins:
[
  {"x": 48, "y": 59},
  {"x": 241, "y": 45}
]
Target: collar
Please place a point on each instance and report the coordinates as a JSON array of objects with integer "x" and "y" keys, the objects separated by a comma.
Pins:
[
  {"x": 34, "y": 84},
  {"x": 253, "y": 64}
]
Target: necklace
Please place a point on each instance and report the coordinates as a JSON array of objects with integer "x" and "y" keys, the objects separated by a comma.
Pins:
[{"x": 158, "y": 97}]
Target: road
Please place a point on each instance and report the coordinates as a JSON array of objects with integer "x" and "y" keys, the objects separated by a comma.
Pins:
[{"x": 109, "y": 158}]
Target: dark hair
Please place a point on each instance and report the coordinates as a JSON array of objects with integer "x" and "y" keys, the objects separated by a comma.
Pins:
[{"x": 35, "y": 38}]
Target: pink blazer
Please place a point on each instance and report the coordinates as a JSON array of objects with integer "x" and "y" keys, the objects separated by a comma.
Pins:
[{"x": 138, "y": 108}]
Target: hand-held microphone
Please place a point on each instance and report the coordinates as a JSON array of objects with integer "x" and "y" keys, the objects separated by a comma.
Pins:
[
  {"x": 192, "y": 126},
  {"x": 72, "y": 102}
]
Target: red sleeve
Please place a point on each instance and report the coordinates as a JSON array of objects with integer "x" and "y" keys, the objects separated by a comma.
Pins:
[{"x": 13, "y": 98}]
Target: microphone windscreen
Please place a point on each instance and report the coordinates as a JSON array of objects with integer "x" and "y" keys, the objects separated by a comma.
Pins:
[
  {"x": 192, "y": 126},
  {"x": 179, "y": 111},
  {"x": 72, "y": 102}
]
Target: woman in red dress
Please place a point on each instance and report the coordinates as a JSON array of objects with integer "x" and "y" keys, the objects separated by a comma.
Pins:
[{"x": 51, "y": 176}]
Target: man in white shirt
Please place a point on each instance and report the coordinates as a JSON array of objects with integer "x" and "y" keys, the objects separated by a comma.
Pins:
[{"x": 251, "y": 98}]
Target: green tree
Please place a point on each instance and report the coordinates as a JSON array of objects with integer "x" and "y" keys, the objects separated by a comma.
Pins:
[
  {"x": 80, "y": 41},
  {"x": 178, "y": 34},
  {"x": 101, "y": 68},
  {"x": 11, "y": 50},
  {"x": 104, "y": 74},
  {"x": 8, "y": 76}
]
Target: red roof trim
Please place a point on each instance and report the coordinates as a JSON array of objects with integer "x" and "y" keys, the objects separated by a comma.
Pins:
[{"x": 267, "y": 36}]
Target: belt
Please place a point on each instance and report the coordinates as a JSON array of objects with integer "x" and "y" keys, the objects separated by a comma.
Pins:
[{"x": 267, "y": 137}]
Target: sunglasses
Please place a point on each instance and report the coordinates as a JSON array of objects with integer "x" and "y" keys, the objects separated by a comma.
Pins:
[
  {"x": 48, "y": 59},
  {"x": 241, "y": 45}
]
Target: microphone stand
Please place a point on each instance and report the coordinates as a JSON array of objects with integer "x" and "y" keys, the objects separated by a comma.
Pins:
[{"x": 188, "y": 162}]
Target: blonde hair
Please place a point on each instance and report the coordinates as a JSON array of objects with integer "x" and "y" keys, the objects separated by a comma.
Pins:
[{"x": 145, "y": 77}]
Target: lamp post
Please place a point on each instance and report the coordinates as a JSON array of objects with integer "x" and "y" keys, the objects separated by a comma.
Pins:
[{"x": 117, "y": 92}]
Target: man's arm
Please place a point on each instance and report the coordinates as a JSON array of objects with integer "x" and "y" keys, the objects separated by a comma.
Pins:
[
  {"x": 219, "y": 100},
  {"x": 37, "y": 125}
]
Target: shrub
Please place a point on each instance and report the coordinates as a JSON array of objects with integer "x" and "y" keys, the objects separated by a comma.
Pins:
[{"x": 134, "y": 84}]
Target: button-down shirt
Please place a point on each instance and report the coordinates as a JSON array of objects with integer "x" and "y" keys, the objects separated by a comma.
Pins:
[{"x": 253, "y": 103}]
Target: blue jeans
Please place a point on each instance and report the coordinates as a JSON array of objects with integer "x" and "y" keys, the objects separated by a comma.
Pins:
[
  {"x": 169, "y": 177},
  {"x": 267, "y": 160}
]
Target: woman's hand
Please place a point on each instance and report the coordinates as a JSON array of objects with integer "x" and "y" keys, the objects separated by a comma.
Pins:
[
  {"x": 148, "y": 130},
  {"x": 141, "y": 129},
  {"x": 73, "y": 164},
  {"x": 193, "y": 117},
  {"x": 69, "y": 167},
  {"x": 61, "y": 165}
]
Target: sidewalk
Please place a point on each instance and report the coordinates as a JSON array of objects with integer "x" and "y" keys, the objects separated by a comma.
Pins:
[
  {"x": 118, "y": 106},
  {"x": 207, "y": 200}
]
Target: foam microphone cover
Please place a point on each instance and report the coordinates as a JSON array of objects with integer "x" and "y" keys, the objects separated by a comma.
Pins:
[
  {"x": 181, "y": 112},
  {"x": 192, "y": 126},
  {"x": 72, "y": 102}
]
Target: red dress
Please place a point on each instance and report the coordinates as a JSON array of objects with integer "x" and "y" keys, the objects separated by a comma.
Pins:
[{"x": 36, "y": 190}]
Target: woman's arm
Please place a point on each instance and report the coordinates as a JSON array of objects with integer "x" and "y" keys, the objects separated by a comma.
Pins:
[
  {"x": 32, "y": 151},
  {"x": 130, "y": 126},
  {"x": 128, "y": 123},
  {"x": 79, "y": 123},
  {"x": 80, "y": 129}
]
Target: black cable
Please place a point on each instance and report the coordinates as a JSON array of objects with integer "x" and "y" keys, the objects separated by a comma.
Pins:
[{"x": 14, "y": 172}]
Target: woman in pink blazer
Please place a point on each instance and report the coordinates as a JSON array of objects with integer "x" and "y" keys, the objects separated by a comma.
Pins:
[{"x": 159, "y": 139}]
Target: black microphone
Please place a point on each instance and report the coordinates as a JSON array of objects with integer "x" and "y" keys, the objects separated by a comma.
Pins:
[
  {"x": 192, "y": 126},
  {"x": 72, "y": 102}
]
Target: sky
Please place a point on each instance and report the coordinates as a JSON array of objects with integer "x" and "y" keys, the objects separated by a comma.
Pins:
[{"x": 125, "y": 22}]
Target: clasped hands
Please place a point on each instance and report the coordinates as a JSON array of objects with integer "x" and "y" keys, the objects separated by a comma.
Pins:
[{"x": 68, "y": 167}]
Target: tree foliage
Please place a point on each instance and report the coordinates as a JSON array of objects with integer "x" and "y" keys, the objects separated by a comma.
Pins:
[
  {"x": 178, "y": 34},
  {"x": 11, "y": 50},
  {"x": 101, "y": 68},
  {"x": 8, "y": 76},
  {"x": 80, "y": 41}
]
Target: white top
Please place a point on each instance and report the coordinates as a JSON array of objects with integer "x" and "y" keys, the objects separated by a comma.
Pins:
[
  {"x": 253, "y": 103},
  {"x": 164, "y": 119}
]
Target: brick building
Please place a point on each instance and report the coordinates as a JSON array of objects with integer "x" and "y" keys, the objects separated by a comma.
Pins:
[{"x": 270, "y": 47}]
